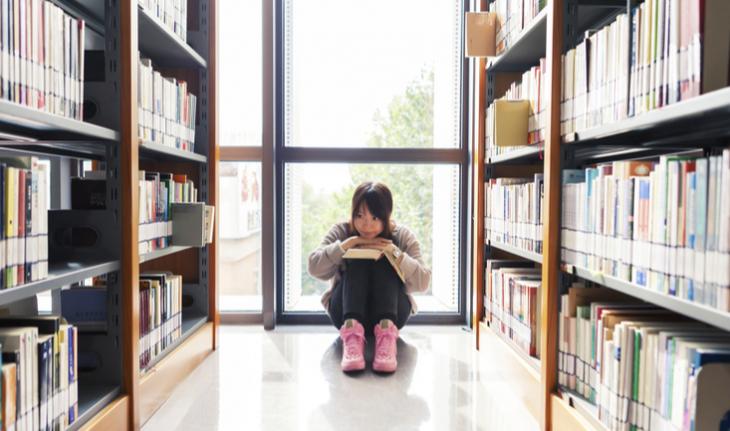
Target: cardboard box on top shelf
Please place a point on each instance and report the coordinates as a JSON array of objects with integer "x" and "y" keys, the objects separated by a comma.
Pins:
[{"x": 481, "y": 31}]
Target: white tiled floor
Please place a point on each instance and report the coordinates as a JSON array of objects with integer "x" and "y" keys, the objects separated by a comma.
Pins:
[{"x": 289, "y": 379}]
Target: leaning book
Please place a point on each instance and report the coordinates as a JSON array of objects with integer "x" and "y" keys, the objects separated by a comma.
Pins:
[{"x": 374, "y": 254}]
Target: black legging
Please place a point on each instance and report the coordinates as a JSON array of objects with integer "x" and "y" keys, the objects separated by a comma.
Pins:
[{"x": 368, "y": 292}]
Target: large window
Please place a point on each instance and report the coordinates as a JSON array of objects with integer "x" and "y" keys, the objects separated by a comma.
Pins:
[{"x": 370, "y": 91}]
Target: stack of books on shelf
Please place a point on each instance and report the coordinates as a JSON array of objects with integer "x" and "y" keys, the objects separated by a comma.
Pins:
[
  {"x": 158, "y": 191},
  {"x": 513, "y": 213},
  {"x": 676, "y": 51},
  {"x": 166, "y": 109},
  {"x": 643, "y": 367},
  {"x": 530, "y": 88},
  {"x": 663, "y": 226},
  {"x": 42, "y": 63},
  {"x": 160, "y": 305},
  {"x": 24, "y": 227},
  {"x": 39, "y": 373},
  {"x": 595, "y": 79},
  {"x": 512, "y": 302},
  {"x": 172, "y": 13},
  {"x": 513, "y": 17}
]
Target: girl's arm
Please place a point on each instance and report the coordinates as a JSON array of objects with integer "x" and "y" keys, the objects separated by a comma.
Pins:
[
  {"x": 417, "y": 275},
  {"x": 325, "y": 261}
]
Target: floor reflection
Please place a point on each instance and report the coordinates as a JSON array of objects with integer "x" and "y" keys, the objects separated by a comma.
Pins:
[
  {"x": 290, "y": 379},
  {"x": 383, "y": 401}
]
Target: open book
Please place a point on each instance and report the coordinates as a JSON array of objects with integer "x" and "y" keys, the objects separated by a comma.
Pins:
[{"x": 374, "y": 254}]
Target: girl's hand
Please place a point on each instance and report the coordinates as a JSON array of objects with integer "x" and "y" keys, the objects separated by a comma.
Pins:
[
  {"x": 358, "y": 241},
  {"x": 351, "y": 242},
  {"x": 377, "y": 243}
]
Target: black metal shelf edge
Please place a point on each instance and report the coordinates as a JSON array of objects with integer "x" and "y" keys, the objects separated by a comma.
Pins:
[
  {"x": 526, "y": 50},
  {"x": 92, "y": 399},
  {"x": 59, "y": 275},
  {"x": 529, "y": 255},
  {"x": 529, "y": 361},
  {"x": 159, "y": 151},
  {"x": 30, "y": 125},
  {"x": 162, "y": 252},
  {"x": 705, "y": 115},
  {"x": 163, "y": 46},
  {"x": 528, "y": 153},
  {"x": 190, "y": 323},
  {"x": 687, "y": 308}
]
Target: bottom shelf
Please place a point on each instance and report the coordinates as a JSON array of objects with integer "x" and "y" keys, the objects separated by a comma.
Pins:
[
  {"x": 500, "y": 365},
  {"x": 531, "y": 364},
  {"x": 586, "y": 410},
  {"x": 565, "y": 417},
  {"x": 191, "y": 321},
  {"x": 158, "y": 383},
  {"x": 92, "y": 399}
]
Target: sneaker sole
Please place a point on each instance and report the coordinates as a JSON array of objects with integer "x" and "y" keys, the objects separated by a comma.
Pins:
[
  {"x": 385, "y": 368},
  {"x": 354, "y": 366}
]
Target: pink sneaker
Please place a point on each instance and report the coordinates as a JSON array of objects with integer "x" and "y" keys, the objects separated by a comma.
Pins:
[
  {"x": 353, "y": 343},
  {"x": 386, "y": 349}
]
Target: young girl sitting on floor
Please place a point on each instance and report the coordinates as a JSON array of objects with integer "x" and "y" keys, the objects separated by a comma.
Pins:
[{"x": 370, "y": 292}]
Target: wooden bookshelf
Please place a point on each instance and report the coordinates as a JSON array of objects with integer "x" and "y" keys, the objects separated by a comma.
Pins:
[
  {"x": 116, "y": 395},
  {"x": 690, "y": 127}
]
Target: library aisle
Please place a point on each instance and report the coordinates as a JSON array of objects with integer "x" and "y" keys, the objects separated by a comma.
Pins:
[{"x": 290, "y": 378}]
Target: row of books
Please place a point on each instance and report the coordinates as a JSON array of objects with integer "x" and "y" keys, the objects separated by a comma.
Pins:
[
  {"x": 513, "y": 211},
  {"x": 42, "y": 58},
  {"x": 644, "y": 368},
  {"x": 513, "y": 16},
  {"x": 158, "y": 191},
  {"x": 160, "y": 310},
  {"x": 24, "y": 226},
  {"x": 663, "y": 225},
  {"x": 531, "y": 88},
  {"x": 172, "y": 13},
  {"x": 512, "y": 302},
  {"x": 39, "y": 373},
  {"x": 666, "y": 51},
  {"x": 595, "y": 79},
  {"x": 166, "y": 109}
]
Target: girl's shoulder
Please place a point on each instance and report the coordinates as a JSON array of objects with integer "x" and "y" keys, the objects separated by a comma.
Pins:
[
  {"x": 340, "y": 230},
  {"x": 402, "y": 234}
]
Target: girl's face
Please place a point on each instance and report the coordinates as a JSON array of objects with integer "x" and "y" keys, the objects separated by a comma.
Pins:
[{"x": 366, "y": 224}]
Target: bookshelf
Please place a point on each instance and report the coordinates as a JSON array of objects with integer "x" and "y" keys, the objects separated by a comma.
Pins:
[
  {"x": 114, "y": 393},
  {"x": 694, "y": 127}
]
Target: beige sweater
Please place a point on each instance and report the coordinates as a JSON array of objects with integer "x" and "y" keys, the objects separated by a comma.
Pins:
[{"x": 326, "y": 263}]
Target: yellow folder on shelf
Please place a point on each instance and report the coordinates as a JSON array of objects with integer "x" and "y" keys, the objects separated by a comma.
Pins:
[{"x": 510, "y": 122}]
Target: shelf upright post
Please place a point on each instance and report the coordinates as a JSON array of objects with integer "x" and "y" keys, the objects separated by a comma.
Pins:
[
  {"x": 551, "y": 214},
  {"x": 207, "y": 141},
  {"x": 122, "y": 21},
  {"x": 479, "y": 106}
]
